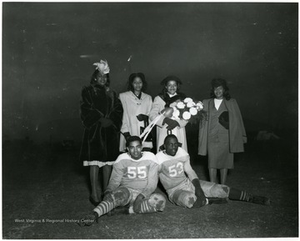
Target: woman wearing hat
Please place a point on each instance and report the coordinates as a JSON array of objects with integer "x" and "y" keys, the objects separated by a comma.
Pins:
[
  {"x": 101, "y": 115},
  {"x": 136, "y": 105},
  {"x": 168, "y": 125},
  {"x": 222, "y": 132}
]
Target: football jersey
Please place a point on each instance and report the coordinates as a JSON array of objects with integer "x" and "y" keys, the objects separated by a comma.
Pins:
[
  {"x": 141, "y": 175},
  {"x": 173, "y": 169}
]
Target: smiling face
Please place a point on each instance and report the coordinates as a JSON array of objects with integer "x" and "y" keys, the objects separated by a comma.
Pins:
[
  {"x": 171, "y": 145},
  {"x": 171, "y": 87},
  {"x": 137, "y": 84},
  {"x": 219, "y": 92},
  {"x": 135, "y": 149},
  {"x": 101, "y": 79}
]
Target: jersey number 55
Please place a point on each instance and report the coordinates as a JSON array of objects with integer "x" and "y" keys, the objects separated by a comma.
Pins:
[{"x": 136, "y": 172}]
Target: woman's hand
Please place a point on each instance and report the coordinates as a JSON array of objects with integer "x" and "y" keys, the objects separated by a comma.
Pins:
[
  {"x": 171, "y": 123},
  {"x": 142, "y": 117}
]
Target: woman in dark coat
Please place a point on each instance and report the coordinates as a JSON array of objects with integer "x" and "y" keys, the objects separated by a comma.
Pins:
[
  {"x": 222, "y": 132},
  {"x": 101, "y": 115}
]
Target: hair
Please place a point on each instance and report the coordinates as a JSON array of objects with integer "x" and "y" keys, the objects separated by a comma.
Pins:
[
  {"x": 131, "y": 79},
  {"x": 132, "y": 139},
  {"x": 219, "y": 82},
  {"x": 165, "y": 81},
  {"x": 169, "y": 137},
  {"x": 94, "y": 78}
]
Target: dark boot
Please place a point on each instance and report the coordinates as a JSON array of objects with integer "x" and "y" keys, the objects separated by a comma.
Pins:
[
  {"x": 260, "y": 200},
  {"x": 88, "y": 220},
  {"x": 216, "y": 200}
]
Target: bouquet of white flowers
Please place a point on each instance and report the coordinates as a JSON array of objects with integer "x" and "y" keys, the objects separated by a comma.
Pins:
[{"x": 185, "y": 109}]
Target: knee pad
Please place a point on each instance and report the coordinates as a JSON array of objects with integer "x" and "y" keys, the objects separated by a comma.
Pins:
[
  {"x": 184, "y": 198},
  {"x": 121, "y": 196},
  {"x": 157, "y": 201},
  {"x": 220, "y": 191}
]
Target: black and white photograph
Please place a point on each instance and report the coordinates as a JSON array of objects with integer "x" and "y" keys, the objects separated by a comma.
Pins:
[{"x": 150, "y": 120}]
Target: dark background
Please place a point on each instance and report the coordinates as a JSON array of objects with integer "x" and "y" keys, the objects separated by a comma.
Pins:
[
  {"x": 48, "y": 53},
  {"x": 49, "y": 50}
]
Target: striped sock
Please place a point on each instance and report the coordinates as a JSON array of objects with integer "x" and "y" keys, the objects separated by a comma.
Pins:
[
  {"x": 236, "y": 194},
  {"x": 146, "y": 208},
  {"x": 245, "y": 196},
  {"x": 143, "y": 207},
  {"x": 104, "y": 207}
]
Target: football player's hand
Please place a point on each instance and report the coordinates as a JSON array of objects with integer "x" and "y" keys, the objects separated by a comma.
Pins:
[
  {"x": 201, "y": 199},
  {"x": 139, "y": 198},
  {"x": 107, "y": 194},
  {"x": 171, "y": 123},
  {"x": 137, "y": 203},
  {"x": 200, "y": 202}
]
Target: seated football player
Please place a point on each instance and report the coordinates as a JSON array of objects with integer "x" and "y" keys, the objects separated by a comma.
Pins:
[
  {"x": 183, "y": 185},
  {"x": 133, "y": 180}
]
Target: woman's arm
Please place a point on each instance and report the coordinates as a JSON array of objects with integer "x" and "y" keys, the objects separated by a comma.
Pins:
[
  {"x": 88, "y": 113},
  {"x": 116, "y": 113},
  {"x": 157, "y": 107}
]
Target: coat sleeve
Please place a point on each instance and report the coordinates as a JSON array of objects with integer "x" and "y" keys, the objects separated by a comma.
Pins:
[
  {"x": 203, "y": 130},
  {"x": 150, "y": 101},
  {"x": 157, "y": 107},
  {"x": 237, "y": 133},
  {"x": 88, "y": 114},
  {"x": 117, "y": 111},
  {"x": 125, "y": 128},
  {"x": 241, "y": 123}
]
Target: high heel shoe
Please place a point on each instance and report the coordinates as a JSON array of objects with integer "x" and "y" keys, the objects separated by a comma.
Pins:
[{"x": 95, "y": 203}]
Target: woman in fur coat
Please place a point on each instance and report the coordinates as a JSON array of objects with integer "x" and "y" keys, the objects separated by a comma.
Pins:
[{"x": 101, "y": 115}]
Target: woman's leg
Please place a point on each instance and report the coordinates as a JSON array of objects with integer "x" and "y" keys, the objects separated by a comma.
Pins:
[
  {"x": 223, "y": 173},
  {"x": 213, "y": 175},
  {"x": 106, "y": 171},
  {"x": 95, "y": 185}
]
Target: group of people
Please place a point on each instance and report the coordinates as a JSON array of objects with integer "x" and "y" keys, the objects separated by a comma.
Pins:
[{"x": 113, "y": 124}]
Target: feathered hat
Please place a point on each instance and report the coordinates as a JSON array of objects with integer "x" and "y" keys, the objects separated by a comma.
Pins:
[{"x": 102, "y": 67}]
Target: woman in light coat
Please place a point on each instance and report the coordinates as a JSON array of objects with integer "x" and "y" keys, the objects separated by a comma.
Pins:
[
  {"x": 136, "y": 105},
  {"x": 168, "y": 125}
]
